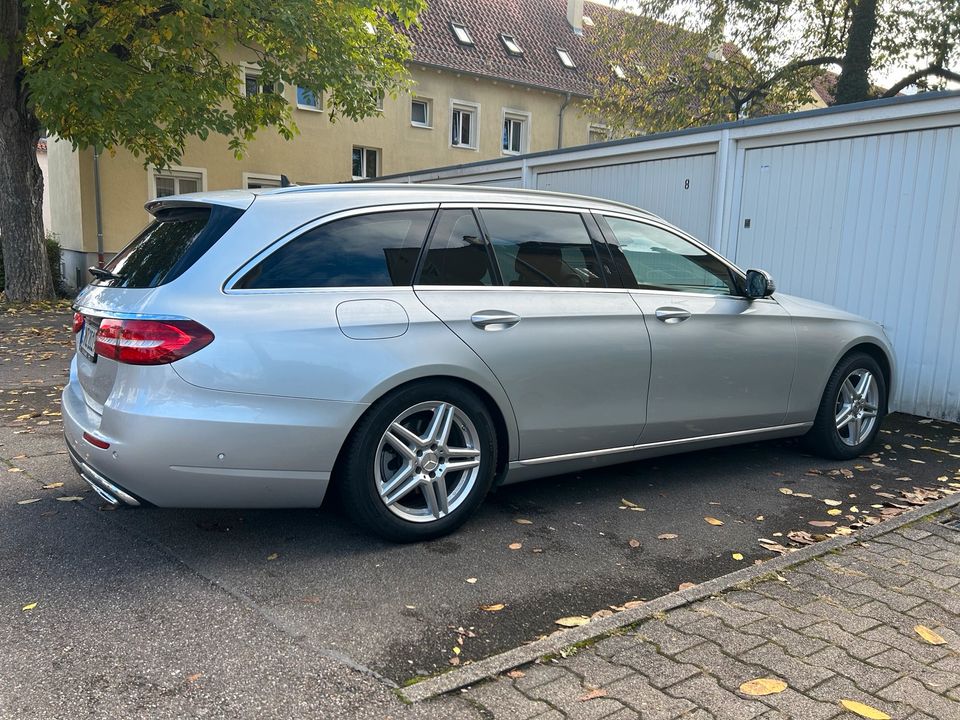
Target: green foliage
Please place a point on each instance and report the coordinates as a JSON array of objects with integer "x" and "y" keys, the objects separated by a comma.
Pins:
[
  {"x": 148, "y": 74},
  {"x": 53, "y": 257}
]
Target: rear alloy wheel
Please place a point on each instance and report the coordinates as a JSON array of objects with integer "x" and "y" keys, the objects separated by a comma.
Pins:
[
  {"x": 420, "y": 462},
  {"x": 852, "y": 406}
]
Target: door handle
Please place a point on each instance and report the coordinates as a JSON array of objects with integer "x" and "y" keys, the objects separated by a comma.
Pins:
[
  {"x": 493, "y": 320},
  {"x": 672, "y": 315}
]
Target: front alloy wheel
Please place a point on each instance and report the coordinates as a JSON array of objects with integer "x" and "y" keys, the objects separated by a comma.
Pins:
[{"x": 857, "y": 407}]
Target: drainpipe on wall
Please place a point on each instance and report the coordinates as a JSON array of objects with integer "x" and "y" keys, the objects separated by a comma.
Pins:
[
  {"x": 560, "y": 122},
  {"x": 96, "y": 196}
]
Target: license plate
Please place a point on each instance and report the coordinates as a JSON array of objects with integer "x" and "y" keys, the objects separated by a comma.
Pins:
[{"x": 88, "y": 339}]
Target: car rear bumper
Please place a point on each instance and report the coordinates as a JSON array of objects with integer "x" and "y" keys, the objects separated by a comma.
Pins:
[{"x": 174, "y": 445}]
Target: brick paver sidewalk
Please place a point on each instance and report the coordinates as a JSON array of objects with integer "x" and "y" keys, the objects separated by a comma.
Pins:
[{"x": 838, "y": 627}]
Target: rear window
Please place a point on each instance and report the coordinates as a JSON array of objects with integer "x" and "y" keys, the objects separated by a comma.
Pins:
[
  {"x": 168, "y": 246},
  {"x": 373, "y": 250}
]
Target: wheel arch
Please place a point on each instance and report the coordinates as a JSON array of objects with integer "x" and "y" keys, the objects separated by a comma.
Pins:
[{"x": 881, "y": 355}]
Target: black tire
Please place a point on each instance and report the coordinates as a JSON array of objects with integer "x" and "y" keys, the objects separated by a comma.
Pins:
[
  {"x": 357, "y": 472},
  {"x": 824, "y": 438}
]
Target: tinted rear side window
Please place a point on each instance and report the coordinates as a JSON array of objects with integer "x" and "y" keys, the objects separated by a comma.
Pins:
[
  {"x": 536, "y": 248},
  {"x": 169, "y": 246},
  {"x": 361, "y": 251},
  {"x": 457, "y": 254}
]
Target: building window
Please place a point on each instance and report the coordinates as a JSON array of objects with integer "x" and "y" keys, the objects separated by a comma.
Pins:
[
  {"x": 176, "y": 181},
  {"x": 619, "y": 72},
  {"x": 366, "y": 163},
  {"x": 256, "y": 181},
  {"x": 461, "y": 33},
  {"x": 598, "y": 133},
  {"x": 514, "y": 139},
  {"x": 253, "y": 85},
  {"x": 464, "y": 125},
  {"x": 566, "y": 58},
  {"x": 511, "y": 44},
  {"x": 308, "y": 99},
  {"x": 420, "y": 112}
]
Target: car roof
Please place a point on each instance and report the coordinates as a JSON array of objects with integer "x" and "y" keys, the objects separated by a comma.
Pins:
[{"x": 389, "y": 193}]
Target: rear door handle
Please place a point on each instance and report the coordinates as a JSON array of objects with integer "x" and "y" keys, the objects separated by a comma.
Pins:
[
  {"x": 492, "y": 320},
  {"x": 672, "y": 315}
]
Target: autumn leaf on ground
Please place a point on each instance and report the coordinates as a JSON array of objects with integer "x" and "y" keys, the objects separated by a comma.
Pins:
[
  {"x": 786, "y": 491},
  {"x": 572, "y": 621},
  {"x": 454, "y": 661},
  {"x": 472, "y": 581},
  {"x": 28, "y": 606},
  {"x": 737, "y": 556},
  {"x": 929, "y": 635},
  {"x": 763, "y": 686},
  {"x": 593, "y": 694},
  {"x": 516, "y": 674},
  {"x": 52, "y": 486},
  {"x": 28, "y": 501},
  {"x": 495, "y": 607},
  {"x": 515, "y": 546},
  {"x": 273, "y": 556},
  {"x": 802, "y": 495},
  {"x": 713, "y": 520},
  {"x": 686, "y": 585},
  {"x": 628, "y": 503},
  {"x": 667, "y": 536},
  {"x": 822, "y": 523},
  {"x": 864, "y": 710},
  {"x": 634, "y": 543},
  {"x": 70, "y": 498},
  {"x": 832, "y": 503},
  {"x": 193, "y": 678},
  {"x": 523, "y": 521},
  {"x": 834, "y": 511}
]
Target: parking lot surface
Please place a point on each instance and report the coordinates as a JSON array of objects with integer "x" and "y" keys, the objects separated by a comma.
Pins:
[{"x": 276, "y": 607}]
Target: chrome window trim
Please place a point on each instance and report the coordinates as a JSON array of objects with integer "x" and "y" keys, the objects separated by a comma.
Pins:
[
  {"x": 228, "y": 287},
  {"x": 515, "y": 288},
  {"x": 661, "y": 443},
  {"x": 114, "y": 315}
]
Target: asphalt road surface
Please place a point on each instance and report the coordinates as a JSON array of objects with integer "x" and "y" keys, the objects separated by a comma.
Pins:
[{"x": 266, "y": 611}]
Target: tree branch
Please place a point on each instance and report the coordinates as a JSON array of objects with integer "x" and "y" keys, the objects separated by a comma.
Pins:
[
  {"x": 910, "y": 79},
  {"x": 786, "y": 70}
]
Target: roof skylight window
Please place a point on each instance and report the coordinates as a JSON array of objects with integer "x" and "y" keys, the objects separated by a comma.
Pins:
[
  {"x": 618, "y": 71},
  {"x": 462, "y": 34},
  {"x": 511, "y": 44},
  {"x": 566, "y": 58}
]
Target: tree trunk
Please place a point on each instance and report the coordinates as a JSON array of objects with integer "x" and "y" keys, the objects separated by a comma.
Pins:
[
  {"x": 854, "y": 82},
  {"x": 25, "y": 265}
]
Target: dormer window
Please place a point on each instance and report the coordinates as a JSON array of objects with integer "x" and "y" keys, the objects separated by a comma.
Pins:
[
  {"x": 566, "y": 58},
  {"x": 618, "y": 71},
  {"x": 461, "y": 33},
  {"x": 511, "y": 44}
]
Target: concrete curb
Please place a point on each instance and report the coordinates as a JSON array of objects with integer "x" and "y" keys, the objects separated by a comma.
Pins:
[{"x": 496, "y": 664}]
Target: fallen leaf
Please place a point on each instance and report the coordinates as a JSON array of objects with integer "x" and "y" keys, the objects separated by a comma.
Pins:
[
  {"x": 572, "y": 621},
  {"x": 516, "y": 674},
  {"x": 763, "y": 686},
  {"x": 686, "y": 585},
  {"x": 592, "y": 695},
  {"x": 28, "y": 606},
  {"x": 929, "y": 635},
  {"x": 628, "y": 503},
  {"x": 193, "y": 678},
  {"x": 786, "y": 491},
  {"x": 822, "y": 523},
  {"x": 713, "y": 520},
  {"x": 410, "y": 607},
  {"x": 832, "y": 503},
  {"x": 472, "y": 581},
  {"x": 273, "y": 556},
  {"x": 630, "y": 604},
  {"x": 802, "y": 495},
  {"x": 737, "y": 556},
  {"x": 52, "y": 486},
  {"x": 28, "y": 501},
  {"x": 667, "y": 536},
  {"x": 70, "y": 498},
  {"x": 759, "y": 517},
  {"x": 864, "y": 710},
  {"x": 523, "y": 521},
  {"x": 495, "y": 607},
  {"x": 834, "y": 511},
  {"x": 515, "y": 546},
  {"x": 456, "y": 650},
  {"x": 454, "y": 661},
  {"x": 634, "y": 543}
]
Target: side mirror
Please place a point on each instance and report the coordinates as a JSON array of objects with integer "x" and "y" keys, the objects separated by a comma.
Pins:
[{"x": 759, "y": 284}]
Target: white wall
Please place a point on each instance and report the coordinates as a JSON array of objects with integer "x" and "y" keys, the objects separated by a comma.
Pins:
[{"x": 857, "y": 206}]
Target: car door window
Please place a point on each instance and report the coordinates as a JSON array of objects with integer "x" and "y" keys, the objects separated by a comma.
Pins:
[
  {"x": 542, "y": 248},
  {"x": 661, "y": 260},
  {"x": 361, "y": 251},
  {"x": 457, "y": 253}
]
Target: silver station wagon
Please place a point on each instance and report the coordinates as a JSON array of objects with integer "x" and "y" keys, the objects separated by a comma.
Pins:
[{"x": 413, "y": 346}]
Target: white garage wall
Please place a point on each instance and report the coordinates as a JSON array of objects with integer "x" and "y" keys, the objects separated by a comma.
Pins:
[{"x": 856, "y": 206}]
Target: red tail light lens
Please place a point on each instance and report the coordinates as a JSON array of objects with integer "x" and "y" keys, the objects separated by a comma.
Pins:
[
  {"x": 150, "y": 342},
  {"x": 77, "y": 322}
]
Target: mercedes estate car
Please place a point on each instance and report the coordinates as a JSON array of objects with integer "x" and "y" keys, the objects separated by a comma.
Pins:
[{"x": 413, "y": 346}]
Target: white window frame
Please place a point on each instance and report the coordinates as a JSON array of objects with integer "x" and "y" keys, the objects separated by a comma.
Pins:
[
  {"x": 429, "y": 113},
  {"x": 511, "y": 45},
  {"x": 474, "y": 109},
  {"x": 566, "y": 59},
  {"x": 524, "y": 118},
  {"x": 261, "y": 177},
  {"x": 254, "y": 70},
  {"x": 176, "y": 171},
  {"x": 309, "y": 108},
  {"x": 597, "y": 128},
  {"x": 464, "y": 37},
  {"x": 363, "y": 162}
]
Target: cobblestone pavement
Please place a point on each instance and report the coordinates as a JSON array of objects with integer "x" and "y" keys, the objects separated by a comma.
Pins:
[{"x": 840, "y": 627}]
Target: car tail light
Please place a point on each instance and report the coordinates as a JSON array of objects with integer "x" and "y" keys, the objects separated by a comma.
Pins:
[
  {"x": 150, "y": 342},
  {"x": 77, "y": 322}
]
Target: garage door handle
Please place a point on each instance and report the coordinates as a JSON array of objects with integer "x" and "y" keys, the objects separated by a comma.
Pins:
[
  {"x": 494, "y": 320},
  {"x": 671, "y": 315}
]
